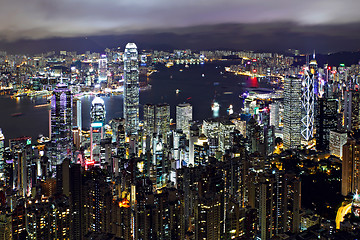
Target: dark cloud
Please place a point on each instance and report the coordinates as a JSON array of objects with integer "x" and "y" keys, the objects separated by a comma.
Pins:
[
  {"x": 237, "y": 24},
  {"x": 275, "y": 36},
  {"x": 37, "y": 19}
]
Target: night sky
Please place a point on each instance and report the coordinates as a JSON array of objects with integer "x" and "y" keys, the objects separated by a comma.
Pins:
[{"x": 326, "y": 25}]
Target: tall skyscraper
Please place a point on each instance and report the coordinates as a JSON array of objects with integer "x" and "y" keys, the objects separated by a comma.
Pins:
[
  {"x": 149, "y": 121},
  {"x": 61, "y": 124},
  {"x": 97, "y": 115},
  {"x": 308, "y": 103},
  {"x": 102, "y": 69},
  {"x": 292, "y": 112},
  {"x": 131, "y": 89},
  {"x": 162, "y": 120},
  {"x": 326, "y": 120},
  {"x": 183, "y": 117},
  {"x": 351, "y": 110},
  {"x": 2, "y": 160},
  {"x": 77, "y": 119},
  {"x": 350, "y": 181}
]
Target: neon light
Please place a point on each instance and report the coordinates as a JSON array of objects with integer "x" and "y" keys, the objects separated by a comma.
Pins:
[{"x": 96, "y": 124}]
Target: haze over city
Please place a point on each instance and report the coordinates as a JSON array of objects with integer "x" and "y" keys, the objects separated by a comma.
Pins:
[{"x": 35, "y": 25}]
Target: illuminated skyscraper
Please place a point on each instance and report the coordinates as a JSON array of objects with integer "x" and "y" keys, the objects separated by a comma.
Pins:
[
  {"x": 308, "y": 102},
  {"x": 292, "y": 112},
  {"x": 157, "y": 120},
  {"x": 183, "y": 117},
  {"x": 326, "y": 120},
  {"x": 102, "y": 69},
  {"x": 162, "y": 120},
  {"x": 2, "y": 160},
  {"x": 97, "y": 115},
  {"x": 131, "y": 89},
  {"x": 61, "y": 124},
  {"x": 351, "y": 110},
  {"x": 350, "y": 181},
  {"x": 149, "y": 121}
]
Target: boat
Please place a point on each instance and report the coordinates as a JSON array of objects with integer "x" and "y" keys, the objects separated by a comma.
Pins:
[
  {"x": 230, "y": 109},
  {"x": 42, "y": 105},
  {"x": 228, "y": 93},
  {"x": 17, "y": 114},
  {"x": 181, "y": 70},
  {"x": 215, "y": 106},
  {"x": 187, "y": 66},
  {"x": 169, "y": 64},
  {"x": 177, "y": 91},
  {"x": 203, "y": 75}
]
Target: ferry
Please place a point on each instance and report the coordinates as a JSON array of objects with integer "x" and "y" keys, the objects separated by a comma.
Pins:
[
  {"x": 42, "y": 105},
  {"x": 230, "y": 109},
  {"x": 17, "y": 114},
  {"x": 215, "y": 106},
  {"x": 169, "y": 64}
]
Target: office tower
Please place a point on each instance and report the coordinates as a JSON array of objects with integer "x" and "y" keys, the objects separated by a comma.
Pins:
[
  {"x": 160, "y": 163},
  {"x": 131, "y": 89},
  {"x": 268, "y": 134},
  {"x": 97, "y": 115},
  {"x": 162, "y": 120},
  {"x": 225, "y": 130},
  {"x": 313, "y": 71},
  {"x": 350, "y": 182},
  {"x": 63, "y": 178},
  {"x": 21, "y": 148},
  {"x": 292, "y": 112},
  {"x": 274, "y": 115},
  {"x": 278, "y": 200},
  {"x": 97, "y": 202},
  {"x": 149, "y": 121},
  {"x": 48, "y": 219},
  {"x": 102, "y": 71},
  {"x": 337, "y": 141},
  {"x": 75, "y": 201},
  {"x": 308, "y": 103},
  {"x": 183, "y": 117},
  {"x": 121, "y": 139},
  {"x": 61, "y": 124},
  {"x": 77, "y": 122},
  {"x": 253, "y": 135},
  {"x": 326, "y": 120},
  {"x": 351, "y": 110},
  {"x": 2, "y": 160},
  {"x": 168, "y": 220},
  {"x": 77, "y": 119}
]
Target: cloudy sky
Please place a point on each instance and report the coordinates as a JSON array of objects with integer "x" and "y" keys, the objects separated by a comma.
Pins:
[{"x": 333, "y": 20}]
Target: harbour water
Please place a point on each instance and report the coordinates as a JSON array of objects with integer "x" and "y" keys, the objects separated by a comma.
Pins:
[{"x": 199, "y": 85}]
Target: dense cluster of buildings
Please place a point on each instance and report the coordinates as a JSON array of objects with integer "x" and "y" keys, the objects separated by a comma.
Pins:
[{"x": 243, "y": 176}]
